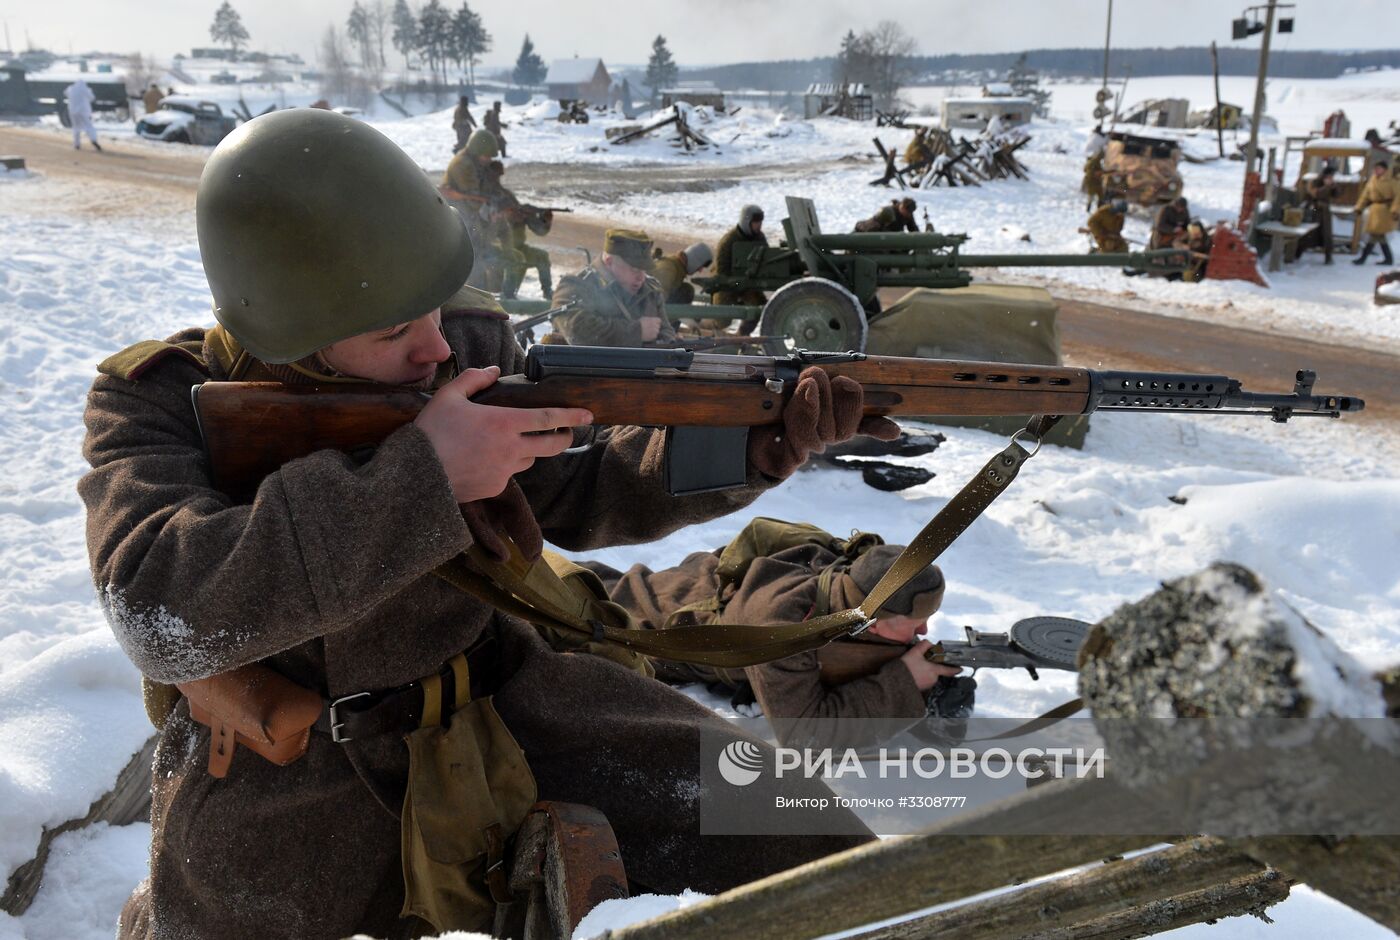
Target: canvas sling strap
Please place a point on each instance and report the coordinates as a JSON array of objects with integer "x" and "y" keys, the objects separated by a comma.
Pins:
[{"x": 533, "y": 592}]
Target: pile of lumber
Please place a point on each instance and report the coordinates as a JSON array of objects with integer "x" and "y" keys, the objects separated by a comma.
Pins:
[
  {"x": 675, "y": 118},
  {"x": 943, "y": 159}
]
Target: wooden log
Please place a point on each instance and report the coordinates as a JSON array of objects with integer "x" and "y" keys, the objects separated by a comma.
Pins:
[
  {"x": 1112, "y": 888},
  {"x": 1358, "y": 871},
  {"x": 127, "y": 802},
  {"x": 1250, "y": 894},
  {"x": 896, "y": 876}
]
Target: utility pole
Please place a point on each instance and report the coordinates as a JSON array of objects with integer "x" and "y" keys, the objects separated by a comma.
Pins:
[
  {"x": 1107, "y": 36},
  {"x": 1253, "y": 148}
]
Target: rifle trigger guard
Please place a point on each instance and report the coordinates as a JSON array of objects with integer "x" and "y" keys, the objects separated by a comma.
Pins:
[{"x": 1015, "y": 439}]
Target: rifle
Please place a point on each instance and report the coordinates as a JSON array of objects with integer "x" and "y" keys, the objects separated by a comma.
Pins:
[
  {"x": 525, "y": 329},
  {"x": 708, "y": 401},
  {"x": 1031, "y": 644},
  {"x": 705, "y": 343}
]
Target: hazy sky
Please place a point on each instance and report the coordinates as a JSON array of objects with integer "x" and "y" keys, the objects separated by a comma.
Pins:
[{"x": 707, "y": 31}]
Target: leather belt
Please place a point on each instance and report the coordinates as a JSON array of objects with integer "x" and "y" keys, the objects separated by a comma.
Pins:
[{"x": 400, "y": 710}]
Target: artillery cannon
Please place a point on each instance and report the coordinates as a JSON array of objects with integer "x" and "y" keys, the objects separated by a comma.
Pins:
[{"x": 825, "y": 285}]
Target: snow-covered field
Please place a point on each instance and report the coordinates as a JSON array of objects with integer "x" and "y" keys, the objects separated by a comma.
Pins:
[{"x": 1313, "y": 506}]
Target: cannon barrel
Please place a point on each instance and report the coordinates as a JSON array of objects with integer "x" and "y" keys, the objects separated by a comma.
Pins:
[
  {"x": 887, "y": 241},
  {"x": 1161, "y": 257}
]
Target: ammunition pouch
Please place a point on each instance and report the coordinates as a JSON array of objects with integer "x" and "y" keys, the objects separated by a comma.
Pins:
[
  {"x": 254, "y": 706},
  {"x": 469, "y": 790}
]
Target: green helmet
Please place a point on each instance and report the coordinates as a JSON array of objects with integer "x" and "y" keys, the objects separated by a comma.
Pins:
[
  {"x": 482, "y": 143},
  {"x": 314, "y": 227}
]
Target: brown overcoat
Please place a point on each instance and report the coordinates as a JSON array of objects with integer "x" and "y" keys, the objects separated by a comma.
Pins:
[
  {"x": 324, "y": 575},
  {"x": 781, "y": 588},
  {"x": 607, "y": 314}
]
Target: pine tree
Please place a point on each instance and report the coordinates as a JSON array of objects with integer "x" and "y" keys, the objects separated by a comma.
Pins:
[
  {"x": 405, "y": 36},
  {"x": 228, "y": 27},
  {"x": 529, "y": 67},
  {"x": 661, "y": 68},
  {"x": 471, "y": 40},
  {"x": 435, "y": 37},
  {"x": 357, "y": 27}
]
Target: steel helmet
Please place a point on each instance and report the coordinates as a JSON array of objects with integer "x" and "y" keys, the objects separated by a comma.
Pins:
[{"x": 314, "y": 227}]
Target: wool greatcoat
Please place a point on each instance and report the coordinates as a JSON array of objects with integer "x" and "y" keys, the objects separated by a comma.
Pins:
[
  {"x": 781, "y": 588},
  {"x": 324, "y": 575}
]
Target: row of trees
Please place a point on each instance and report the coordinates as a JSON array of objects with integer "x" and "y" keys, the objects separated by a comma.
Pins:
[{"x": 441, "y": 36}]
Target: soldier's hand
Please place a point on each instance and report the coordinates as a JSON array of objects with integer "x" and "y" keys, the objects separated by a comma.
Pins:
[
  {"x": 925, "y": 673},
  {"x": 482, "y": 446},
  {"x": 822, "y": 411},
  {"x": 651, "y": 328}
]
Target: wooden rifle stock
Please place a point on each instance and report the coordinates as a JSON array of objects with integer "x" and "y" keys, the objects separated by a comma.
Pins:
[{"x": 251, "y": 429}]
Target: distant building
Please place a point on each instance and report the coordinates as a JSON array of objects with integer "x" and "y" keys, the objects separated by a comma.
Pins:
[
  {"x": 578, "y": 79},
  {"x": 835, "y": 99},
  {"x": 975, "y": 113},
  {"x": 998, "y": 90},
  {"x": 696, "y": 93},
  {"x": 1158, "y": 112},
  {"x": 211, "y": 53}
]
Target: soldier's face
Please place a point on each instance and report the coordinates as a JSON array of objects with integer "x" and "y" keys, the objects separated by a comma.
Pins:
[
  {"x": 899, "y": 628},
  {"x": 756, "y": 226},
  {"x": 631, "y": 278},
  {"x": 407, "y": 354}
]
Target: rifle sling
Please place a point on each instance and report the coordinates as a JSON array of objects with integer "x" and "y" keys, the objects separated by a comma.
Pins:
[{"x": 533, "y": 592}]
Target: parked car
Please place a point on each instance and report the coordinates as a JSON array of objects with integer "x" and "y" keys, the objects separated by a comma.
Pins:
[{"x": 187, "y": 120}]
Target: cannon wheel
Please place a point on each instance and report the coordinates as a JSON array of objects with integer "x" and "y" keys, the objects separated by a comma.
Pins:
[{"x": 817, "y": 314}]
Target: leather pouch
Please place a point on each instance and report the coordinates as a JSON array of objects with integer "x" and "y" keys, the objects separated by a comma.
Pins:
[{"x": 254, "y": 706}]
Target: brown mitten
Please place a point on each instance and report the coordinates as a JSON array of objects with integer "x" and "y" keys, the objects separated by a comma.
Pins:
[
  {"x": 822, "y": 411},
  {"x": 505, "y": 514}
]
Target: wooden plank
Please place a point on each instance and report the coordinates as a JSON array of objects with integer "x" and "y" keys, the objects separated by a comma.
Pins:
[
  {"x": 127, "y": 802},
  {"x": 1112, "y": 888}
]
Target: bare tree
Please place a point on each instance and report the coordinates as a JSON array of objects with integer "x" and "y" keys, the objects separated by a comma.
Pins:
[
  {"x": 879, "y": 57},
  {"x": 339, "y": 80},
  {"x": 140, "y": 72}
]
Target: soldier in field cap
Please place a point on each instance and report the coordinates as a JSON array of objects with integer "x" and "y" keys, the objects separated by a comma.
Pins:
[{"x": 619, "y": 302}]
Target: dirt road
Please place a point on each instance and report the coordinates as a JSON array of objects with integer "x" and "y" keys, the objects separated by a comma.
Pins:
[{"x": 1093, "y": 335}]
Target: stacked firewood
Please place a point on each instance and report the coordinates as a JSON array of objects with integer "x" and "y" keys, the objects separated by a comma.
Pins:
[{"x": 936, "y": 157}]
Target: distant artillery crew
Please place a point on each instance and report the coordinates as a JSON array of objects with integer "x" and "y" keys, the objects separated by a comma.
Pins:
[
  {"x": 671, "y": 272},
  {"x": 150, "y": 99},
  {"x": 749, "y": 231},
  {"x": 898, "y": 216},
  {"x": 1380, "y": 200},
  {"x": 845, "y": 694},
  {"x": 1093, "y": 183},
  {"x": 493, "y": 123},
  {"x": 1197, "y": 242},
  {"x": 462, "y": 122},
  {"x": 918, "y": 153},
  {"x": 507, "y": 255},
  {"x": 619, "y": 303},
  {"x": 1319, "y": 194},
  {"x": 1106, "y": 226},
  {"x": 466, "y": 180},
  {"x": 1169, "y": 228}
]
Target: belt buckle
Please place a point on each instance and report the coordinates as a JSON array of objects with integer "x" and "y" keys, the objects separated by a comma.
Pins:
[{"x": 336, "y": 723}]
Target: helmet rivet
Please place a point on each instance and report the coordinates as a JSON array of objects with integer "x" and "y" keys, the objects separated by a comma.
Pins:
[
  {"x": 305, "y": 149},
  {"x": 364, "y": 284}
]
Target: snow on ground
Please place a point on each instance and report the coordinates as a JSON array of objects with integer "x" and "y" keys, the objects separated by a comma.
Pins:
[{"x": 1313, "y": 506}]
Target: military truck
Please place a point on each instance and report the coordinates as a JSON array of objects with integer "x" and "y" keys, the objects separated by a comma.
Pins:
[{"x": 1142, "y": 167}]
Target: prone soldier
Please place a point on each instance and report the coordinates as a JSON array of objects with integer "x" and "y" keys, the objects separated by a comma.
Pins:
[
  {"x": 846, "y": 694},
  {"x": 898, "y": 216},
  {"x": 619, "y": 303}
]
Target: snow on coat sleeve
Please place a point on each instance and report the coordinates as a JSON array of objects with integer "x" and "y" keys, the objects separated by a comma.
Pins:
[{"x": 194, "y": 585}]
